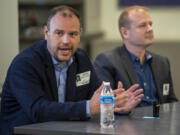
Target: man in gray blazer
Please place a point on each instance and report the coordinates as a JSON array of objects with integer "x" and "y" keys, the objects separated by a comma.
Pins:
[{"x": 131, "y": 63}]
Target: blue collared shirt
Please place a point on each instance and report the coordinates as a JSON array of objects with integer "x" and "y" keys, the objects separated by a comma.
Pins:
[
  {"x": 61, "y": 76},
  {"x": 145, "y": 79}
]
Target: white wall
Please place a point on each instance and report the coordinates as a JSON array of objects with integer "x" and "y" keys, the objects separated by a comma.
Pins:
[
  {"x": 166, "y": 21},
  {"x": 92, "y": 16},
  {"x": 8, "y": 35}
]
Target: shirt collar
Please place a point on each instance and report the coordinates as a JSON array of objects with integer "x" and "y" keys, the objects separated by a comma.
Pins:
[
  {"x": 134, "y": 58},
  {"x": 57, "y": 64}
]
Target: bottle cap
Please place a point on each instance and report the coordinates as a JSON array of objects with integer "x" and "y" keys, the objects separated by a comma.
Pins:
[{"x": 106, "y": 83}]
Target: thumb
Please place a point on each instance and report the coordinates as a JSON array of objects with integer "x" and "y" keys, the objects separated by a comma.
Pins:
[
  {"x": 100, "y": 88},
  {"x": 120, "y": 85}
]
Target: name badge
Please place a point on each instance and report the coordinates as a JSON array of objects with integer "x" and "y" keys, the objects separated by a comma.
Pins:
[
  {"x": 83, "y": 78},
  {"x": 166, "y": 89}
]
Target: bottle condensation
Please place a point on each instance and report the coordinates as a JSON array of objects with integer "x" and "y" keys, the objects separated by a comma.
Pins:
[{"x": 107, "y": 106}]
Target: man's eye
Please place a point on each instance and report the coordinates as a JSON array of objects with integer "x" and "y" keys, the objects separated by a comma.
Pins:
[
  {"x": 143, "y": 25},
  {"x": 59, "y": 33},
  {"x": 74, "y": 34}
]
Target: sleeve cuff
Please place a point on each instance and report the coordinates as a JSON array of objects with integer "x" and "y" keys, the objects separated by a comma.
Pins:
[{"x": 88, "y": 114}]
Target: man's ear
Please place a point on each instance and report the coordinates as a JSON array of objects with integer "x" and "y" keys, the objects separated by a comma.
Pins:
[
  {"x": 124, "y": 32},
  {"x": 45, "y": 32}
]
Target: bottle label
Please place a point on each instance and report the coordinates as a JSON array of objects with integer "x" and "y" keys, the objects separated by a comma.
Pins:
[{"x": 107, "y": 99}]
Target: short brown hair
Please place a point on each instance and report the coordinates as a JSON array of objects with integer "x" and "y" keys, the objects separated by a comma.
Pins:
[
  {"x": 124, "y": 20},
  {"x": 55, "y": 10}
]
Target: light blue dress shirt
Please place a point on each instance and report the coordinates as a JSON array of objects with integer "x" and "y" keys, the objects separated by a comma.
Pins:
[{"x": 61, "y": 76}]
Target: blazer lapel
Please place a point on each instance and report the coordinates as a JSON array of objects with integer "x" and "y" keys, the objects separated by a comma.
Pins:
[
  {"x": 50, "y": 72},
  {"x": 71, "y": 82},
  {"x": 41, "y": 50},
  {"x": 52, "y": 79},
  {"x": 156, "y": 75},
  {"x": 128, "y": 66}
]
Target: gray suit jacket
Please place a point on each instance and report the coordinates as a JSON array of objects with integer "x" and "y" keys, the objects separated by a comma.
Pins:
[{"x": 116, "y": 65}]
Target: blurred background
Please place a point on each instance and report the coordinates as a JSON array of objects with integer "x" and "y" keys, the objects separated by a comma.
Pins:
[{"x": 22, "y": 22}]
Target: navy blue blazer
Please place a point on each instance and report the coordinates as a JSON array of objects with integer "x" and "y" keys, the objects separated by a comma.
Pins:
[
  {"x": 30, "y": 92},
  {"x": 116, "y": 65}
]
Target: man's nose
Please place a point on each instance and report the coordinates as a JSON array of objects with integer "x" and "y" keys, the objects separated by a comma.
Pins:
[
  {"x": 150, "y": 28},
  {"x": 66, "y": 39}
]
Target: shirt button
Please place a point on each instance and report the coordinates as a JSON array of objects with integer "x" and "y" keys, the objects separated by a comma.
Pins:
[
  {"x": 141, "y": 70},
  {"x": 147, "y": 97},
  {"x": 145, "y": 84}
]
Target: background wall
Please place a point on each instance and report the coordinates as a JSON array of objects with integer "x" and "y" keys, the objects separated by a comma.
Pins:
[
  {"x": 8, "y": 35},
  {"x": 165, "y": 21}
]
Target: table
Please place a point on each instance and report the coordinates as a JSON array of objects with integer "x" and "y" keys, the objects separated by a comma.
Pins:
[{"x": 133, "y": 124}]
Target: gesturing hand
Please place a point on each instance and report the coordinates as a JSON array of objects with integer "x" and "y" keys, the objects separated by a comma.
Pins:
[
  {"x": 133, "y": 95},
  {"x": 125, "y": 101}
]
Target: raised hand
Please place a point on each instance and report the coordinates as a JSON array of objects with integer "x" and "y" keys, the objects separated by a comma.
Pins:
[{"x": 133, "y": 95}]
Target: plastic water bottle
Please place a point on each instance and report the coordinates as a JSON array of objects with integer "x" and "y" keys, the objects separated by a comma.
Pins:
[{"x": 107, "y": 107}]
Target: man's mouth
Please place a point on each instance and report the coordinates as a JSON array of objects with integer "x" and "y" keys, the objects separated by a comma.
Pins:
[
  {"x": 65, "y": 51},
  {"x": 149, "y": 36}
]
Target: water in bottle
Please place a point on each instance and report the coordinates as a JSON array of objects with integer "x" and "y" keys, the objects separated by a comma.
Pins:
[{"x": 107, "y": 107}]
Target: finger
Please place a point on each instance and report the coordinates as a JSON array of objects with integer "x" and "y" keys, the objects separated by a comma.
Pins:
[
  {"x": 100, "y": 88},
  {"x": 120, "y": 100},
  {"x": 118, "y": 109},
  {"x": 120, "y": 85},
  {"x": 122, "y": 109},
  {"x": 135, "y": 103},
  {"x": 118, "y": 91},
  {"x": 137, "y": 92},
  {"x": 133, "y": 88},
  {"x": 139, "y": 96},
  {"x": 131, "y": 105}
]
